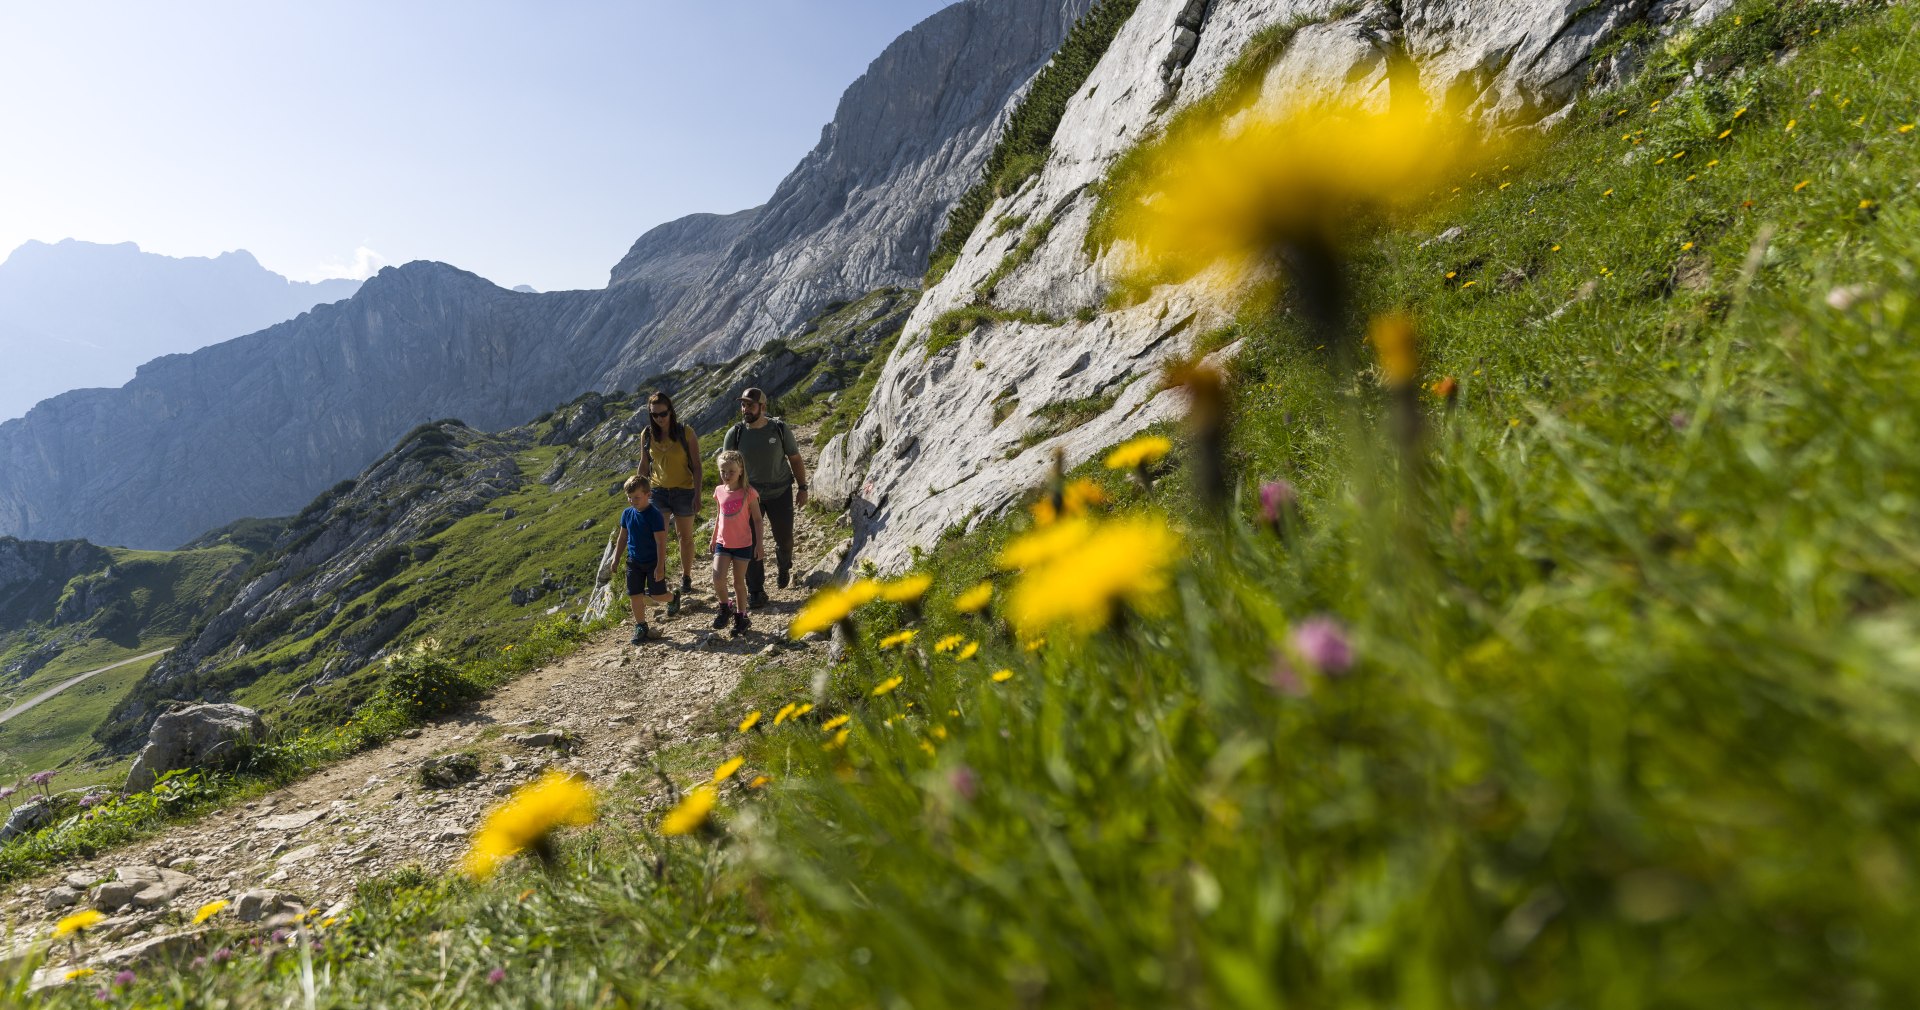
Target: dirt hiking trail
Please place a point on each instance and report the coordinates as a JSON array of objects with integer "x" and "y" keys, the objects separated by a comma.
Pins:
[{"x": 599, "y": 712}]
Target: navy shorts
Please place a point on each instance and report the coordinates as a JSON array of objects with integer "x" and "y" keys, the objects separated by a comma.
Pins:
[
  {"x": 640, "y": 580},
  {"x": 675, "y": 501},
  {"x": 742, "y": 553}
]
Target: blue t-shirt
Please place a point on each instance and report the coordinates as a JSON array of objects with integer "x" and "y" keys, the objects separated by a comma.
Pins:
[{"x": 640, "y": 527}]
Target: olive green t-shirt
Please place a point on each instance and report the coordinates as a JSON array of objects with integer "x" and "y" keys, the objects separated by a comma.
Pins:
[{"x": 766, "y": 449}]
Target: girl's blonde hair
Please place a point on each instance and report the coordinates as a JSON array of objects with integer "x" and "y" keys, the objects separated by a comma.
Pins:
[{"x": 735, "y": 458}]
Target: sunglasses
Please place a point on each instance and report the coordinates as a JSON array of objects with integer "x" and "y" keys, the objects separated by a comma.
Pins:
[{"x": 659, "y": 413}]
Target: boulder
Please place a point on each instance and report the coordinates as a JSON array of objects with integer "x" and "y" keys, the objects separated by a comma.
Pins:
[
  {"x": 63, "y": 897},
  {"x": 445, "y": 771},
  {"x": 113, "y": 894},
  {"x": 258, "y": 904},
  {"x": 26, "y": 819},
  {"x": 197, "y": 736}
]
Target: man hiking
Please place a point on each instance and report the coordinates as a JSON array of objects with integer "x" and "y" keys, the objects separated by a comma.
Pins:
[{"x": 774, "y": 468}]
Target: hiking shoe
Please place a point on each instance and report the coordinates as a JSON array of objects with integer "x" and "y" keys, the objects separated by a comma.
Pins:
[
  {"x": 686, "y": 584},
  {"x": 782, "y": 579},
  {"x": 720, "y": 619},
  {"x": 639, "y": 634},
  {"x": 741, "y": 624},
  {"x": 673, "y": 605},
  {"x": 756, "y": 599}
]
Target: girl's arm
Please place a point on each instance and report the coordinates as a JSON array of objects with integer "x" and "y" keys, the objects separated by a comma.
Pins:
[{"x": 659, "y": 554}]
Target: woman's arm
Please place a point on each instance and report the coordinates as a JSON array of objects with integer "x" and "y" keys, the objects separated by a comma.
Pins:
[{"x": 694, "y": 464}]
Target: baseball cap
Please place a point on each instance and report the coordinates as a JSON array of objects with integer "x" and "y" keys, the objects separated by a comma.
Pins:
[{"x": 756, "y": 395}]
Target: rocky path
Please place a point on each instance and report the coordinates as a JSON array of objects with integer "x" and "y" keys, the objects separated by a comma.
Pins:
[{"x": 414, "y": 802}]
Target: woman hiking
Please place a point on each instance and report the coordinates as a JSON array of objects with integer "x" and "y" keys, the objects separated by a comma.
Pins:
[{"x": 670, "y": 456}]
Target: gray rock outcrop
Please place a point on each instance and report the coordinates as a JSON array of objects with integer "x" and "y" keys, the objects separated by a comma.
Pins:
[
  {"x": 958, "y": 436},
  {"x": 259, "y": 424},
  {"x": 26, "y": 819},
  {"x": 196, "y": 736}
]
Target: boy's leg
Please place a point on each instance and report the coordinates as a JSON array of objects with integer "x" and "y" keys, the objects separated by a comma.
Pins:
[{"x": 639, "y": 604}]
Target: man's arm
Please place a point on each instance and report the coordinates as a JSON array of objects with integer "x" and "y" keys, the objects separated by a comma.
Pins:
[{"x": 800, "y": 476}]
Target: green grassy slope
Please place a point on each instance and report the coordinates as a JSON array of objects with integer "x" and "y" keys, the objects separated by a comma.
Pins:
[{"x": 1635, "y": 627}]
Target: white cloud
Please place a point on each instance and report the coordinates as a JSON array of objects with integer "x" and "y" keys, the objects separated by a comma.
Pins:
[{"x": 364, "y": 264}]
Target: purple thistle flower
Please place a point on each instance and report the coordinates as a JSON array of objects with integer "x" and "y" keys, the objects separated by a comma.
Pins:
[
  {"x": 198, "y": 963},
  {"x": 6, "y": 793},
  {"x": 1321, "y": 640},
  {"x": 102, "y": 996},
  {"x": 124, "y": 978},
  {"x": 964, "y": 782},
  {"x": 280, "y": 935},
  {"x": 496, "y": 976},
  {"x": 223, "y": 955},
  {"x": 1284, "y": 678},
  {"x": 40, "y": 778},
  {"x": 1276, "y": 497},
  {"x": 88, "y": 800}
]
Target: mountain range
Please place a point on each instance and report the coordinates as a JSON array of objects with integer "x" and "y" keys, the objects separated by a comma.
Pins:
[
  {"x": 81, "y": 314},
  {"x": 259, "y": 424}
]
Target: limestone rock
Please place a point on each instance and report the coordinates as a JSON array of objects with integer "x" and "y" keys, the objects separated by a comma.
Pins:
[
  {"x": 63, "y": 897},
  {"x": 258, "y": 904},
  {"x": 196, "y": 736},
  {"x": 26, "y": 819},
  {"x": 445, "y": 771}
]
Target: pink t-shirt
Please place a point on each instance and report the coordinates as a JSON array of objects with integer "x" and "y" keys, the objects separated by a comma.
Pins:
[{"x": 734, "y": 528}]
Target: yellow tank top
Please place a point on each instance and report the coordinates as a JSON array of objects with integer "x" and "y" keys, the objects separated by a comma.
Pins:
[{"x": 670, "y": 467}]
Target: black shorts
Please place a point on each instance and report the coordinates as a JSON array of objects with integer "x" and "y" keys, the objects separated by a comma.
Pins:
[
  {"x": 640, "y": 580},
  {"x": 742, "y": 553},
  {"x": 675, "y": 501}
]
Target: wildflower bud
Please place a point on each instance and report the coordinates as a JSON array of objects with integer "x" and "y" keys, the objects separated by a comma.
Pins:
[
  {"x": 1278, "y": 500},
  {"x": 1322, "y": 641}
]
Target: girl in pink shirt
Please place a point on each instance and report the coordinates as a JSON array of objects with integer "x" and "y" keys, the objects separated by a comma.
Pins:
[{"x": 736, "y": 539}]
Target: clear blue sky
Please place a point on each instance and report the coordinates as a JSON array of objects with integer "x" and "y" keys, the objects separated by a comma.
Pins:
[{"x": 529, "y": 143}]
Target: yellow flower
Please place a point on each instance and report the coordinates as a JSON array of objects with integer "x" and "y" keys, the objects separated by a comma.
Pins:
[
  {"x": 692, "y": 812},
  {"x": 785, "y": 713},
  {"x": 1682, "y": 154},
  {"x": 839, "y": 740},
  {"x": 1141, "y": 452},
  {"x": 727, "y": 768},
  {"x": 1742, "y": 111},
  {"x": 1045, "y": 543},
  {"x": 1077, "y": 498},
  {"x": 526, "y": 820},
  {"x": 1607, "y": 193},
  {"x": 830, "y": 606},
  {"x": 1685, "y": 246},
  {"x": 208, "y": 911},
  {"x": 1231, "y": 192},
  {"x": 1791, "y": 123},
  {"x": 78, "y": 973},
  {"x": 887, "y": 685},
  {"x": 752, "y": 720},
  {"x": 974, "y": 599},
  {"x": 1866, "y": 204},
  {"x": 967, "y": 651},
  {"x": 1393, "y": 341},
  {"x": 77, "y": 922},
  {"x": 805, "y": 707},
  {"x": 1122, "y": 563},
  {"x": 949, "y": 643},
  {"x": 1906, "y": 128},
  {"x": 836, "y": 722},
  {"x": 1002, "y": 676},
  {"x": 898, "y": 638},
  {"x": 759, "y": 781},
  {"x": 1714, "y": 162},
  {"x": 1035, "y": 645},
  {"x": 1802, "y": 184},
  {"x": 1724, "y": 134},
  {"x": 906, "y": 589}
]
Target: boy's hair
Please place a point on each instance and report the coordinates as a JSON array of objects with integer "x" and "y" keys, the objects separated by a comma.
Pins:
[
  {"x": 636, "y": 483},
  {"x": 731, "y": 456}
]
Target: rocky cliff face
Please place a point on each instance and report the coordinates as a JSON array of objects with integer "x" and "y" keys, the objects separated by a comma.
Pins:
[
  {"x": 960, "y": 434},
  {"x": 258, "y": 425}
]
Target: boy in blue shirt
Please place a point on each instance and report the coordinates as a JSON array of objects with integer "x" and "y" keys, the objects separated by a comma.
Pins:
[{"x": 643, "y": 542}]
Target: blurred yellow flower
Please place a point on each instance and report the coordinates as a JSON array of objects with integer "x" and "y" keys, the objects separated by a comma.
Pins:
[
  {"x": 78, "y": 973},
  {"x": 906, "y": 589},
  {"x": 526, "y": 820},
  {"x": 208, "y": 911},
  {"x": 1802, "y": 184},
  {"x": 1141, "y": 452},
  {"x": 785, "y": 713},
  {"x": 1077, "y": 498},
  {"x": 1002, "y": 676},
  {"x": 77, "y": 922},
  {"x": 897, "y": 639},
  {"x": 974, "y": 599},
  {"x": 967, "y": 651},
  {"x": 1121, "y": 564},
  {"x": 727, "y": 768},
  {"x": 836, "y": 722},
  {"x": 752, "y": 720},
  {"x": 1232, "y": 192},
  {"x": 805, "y": 707},
  {"x": 1393, "y": 342},
  {"x": 758, "y": 782},
  {"x": 830, "y": 606},
  {"x": 839, "y": 740},
  {"x": 1045, "y": 543},
  {"x": 887, "y": 685},
  {"x": 692, "y": 812},
  {"x": 949, "y": 643}
]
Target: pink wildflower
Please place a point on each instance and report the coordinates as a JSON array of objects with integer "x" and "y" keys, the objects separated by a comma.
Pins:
[
  {"x": 964, "y": 782},
  {"x": 496, "y": 976},
  {"x": 1321, "y": 640}
]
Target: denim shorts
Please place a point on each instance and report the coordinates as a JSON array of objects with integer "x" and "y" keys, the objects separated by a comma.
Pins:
[
  {"x": 675, "y": 501},
  {"x": 741, "y": 553},
  {"x": 640, "y": 580}
]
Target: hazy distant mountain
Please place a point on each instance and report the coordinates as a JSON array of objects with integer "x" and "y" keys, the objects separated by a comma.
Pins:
[{"x": 80, "y": 314}]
